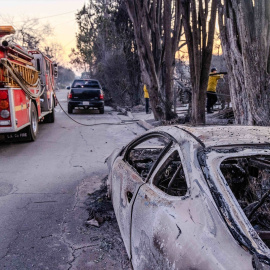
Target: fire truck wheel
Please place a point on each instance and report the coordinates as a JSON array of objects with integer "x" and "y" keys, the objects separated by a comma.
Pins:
[
  {"x": 49, "y": 118},
  {"x": 70, "y": 108},
  {"x": 32, "y": 130}
]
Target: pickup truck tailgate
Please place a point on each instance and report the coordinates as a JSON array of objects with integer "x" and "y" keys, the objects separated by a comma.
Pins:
[{"x": 85, "y": 94}]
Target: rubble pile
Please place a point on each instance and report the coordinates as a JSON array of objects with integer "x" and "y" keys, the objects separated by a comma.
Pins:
[
  {"x": 138, "y": 108},
  {"x": 226, "y": 114}
]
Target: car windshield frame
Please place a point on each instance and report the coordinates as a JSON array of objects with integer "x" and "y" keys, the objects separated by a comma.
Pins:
[
  {"x": 137, "y": 141},
  {"x": 85, "y": 84},
  {"x": 210, "y": 160}
]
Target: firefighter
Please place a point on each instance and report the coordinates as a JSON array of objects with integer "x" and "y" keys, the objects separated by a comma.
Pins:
[
  {"x": 146, "y": 97},
  {"x": 211, "y": 89}
]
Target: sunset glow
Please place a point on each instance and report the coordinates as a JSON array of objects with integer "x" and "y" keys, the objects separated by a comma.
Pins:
[{"x": 60, "y": 14}]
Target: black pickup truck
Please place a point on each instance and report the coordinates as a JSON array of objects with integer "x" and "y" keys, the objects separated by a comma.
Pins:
[{"x": 86, "y": 94}]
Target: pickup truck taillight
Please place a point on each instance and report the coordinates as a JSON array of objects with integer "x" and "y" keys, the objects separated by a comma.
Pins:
[
  {"x": 101, "y": 96},
  {"x": 70, "y": 95}
]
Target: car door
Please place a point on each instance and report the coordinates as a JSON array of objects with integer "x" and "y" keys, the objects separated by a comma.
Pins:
[
  {"x": 129, "y": 173},
  {"x": 176, "y": 225},
  {"x": 155, "y": 222}
]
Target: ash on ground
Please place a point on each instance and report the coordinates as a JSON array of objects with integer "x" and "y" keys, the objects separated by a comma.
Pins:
[{"x": 106, "y": 233}]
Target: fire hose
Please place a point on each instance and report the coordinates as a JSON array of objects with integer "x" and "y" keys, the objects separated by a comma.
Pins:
[
  {"x": 18, "y": 78},
  {"x": 123, "y": 122}
]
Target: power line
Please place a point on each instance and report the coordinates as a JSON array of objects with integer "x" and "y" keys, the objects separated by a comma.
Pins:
[
  {"x": 69, "y": 21},
  {"x": 56, "y": 15},
  {"x": 69, "y": 42}
]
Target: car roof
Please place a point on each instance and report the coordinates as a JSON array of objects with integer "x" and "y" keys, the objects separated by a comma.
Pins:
[
  {"x": 86, "y": 80},
  {"x": 211, "y": 136}
]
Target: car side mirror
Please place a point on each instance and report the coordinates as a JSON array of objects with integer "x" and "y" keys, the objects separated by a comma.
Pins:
[{"x": 68, "y": 87}]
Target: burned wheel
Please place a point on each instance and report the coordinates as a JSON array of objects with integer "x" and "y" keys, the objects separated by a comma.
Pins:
[{"x": 32, "y": 129}]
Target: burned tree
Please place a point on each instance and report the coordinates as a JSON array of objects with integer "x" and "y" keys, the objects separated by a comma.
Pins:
[
  {"x": 31, "y": 34},
  {"x": 106, "y": 49},
  {"x": 245, "y": 36},
  {"x": 199, "y": 24},
  {"x": 157, "y": 29}
]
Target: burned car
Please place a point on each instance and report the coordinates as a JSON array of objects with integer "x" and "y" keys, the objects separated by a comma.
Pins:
[{"x": 194, "y": 197}]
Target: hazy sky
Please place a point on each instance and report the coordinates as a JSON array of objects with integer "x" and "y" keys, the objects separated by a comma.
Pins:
[{"x": 64, "y": 25}]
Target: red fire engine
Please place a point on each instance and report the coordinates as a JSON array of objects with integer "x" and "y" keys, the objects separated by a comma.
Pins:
[{"x": 27, "y": 81}]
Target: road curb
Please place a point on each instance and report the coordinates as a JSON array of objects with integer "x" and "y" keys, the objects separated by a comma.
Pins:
[
  {"x": 130, "y": 115},
  {"x": 144, "y": 124}
]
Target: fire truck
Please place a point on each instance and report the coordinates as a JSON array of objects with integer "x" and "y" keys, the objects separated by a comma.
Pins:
[{"x": 27, "y": 82}]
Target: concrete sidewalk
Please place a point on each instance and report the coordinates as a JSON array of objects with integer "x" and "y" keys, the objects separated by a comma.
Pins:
[
  {"x": 144, "y": 120},
  {"x": 147, "y": 121}
]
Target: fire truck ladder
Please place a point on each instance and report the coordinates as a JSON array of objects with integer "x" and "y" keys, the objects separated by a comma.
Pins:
[{"x": 23, "y": 76}]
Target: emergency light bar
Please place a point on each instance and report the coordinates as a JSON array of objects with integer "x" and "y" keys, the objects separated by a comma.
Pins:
[{"x": 6, "y": 30}]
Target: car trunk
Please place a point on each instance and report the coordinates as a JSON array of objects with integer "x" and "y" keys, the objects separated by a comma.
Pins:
[{"x": 85, "y": 94}]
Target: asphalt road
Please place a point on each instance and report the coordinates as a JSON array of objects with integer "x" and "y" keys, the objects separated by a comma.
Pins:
[{"x": 44, "y": 185}]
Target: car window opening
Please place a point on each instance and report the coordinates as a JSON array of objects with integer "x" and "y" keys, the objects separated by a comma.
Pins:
[
  {"x": 85, "y": 84},
  {"x": 249, "y": 180},
  {"x": 171, "y": 177},
  {"x": 143, "y": 156},
  {"x": 143, "y": 159}
]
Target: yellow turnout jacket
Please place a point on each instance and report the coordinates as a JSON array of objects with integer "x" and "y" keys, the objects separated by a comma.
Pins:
[
  {"x": 212, "y": 82},
  {"x": 146, "y": 94}
]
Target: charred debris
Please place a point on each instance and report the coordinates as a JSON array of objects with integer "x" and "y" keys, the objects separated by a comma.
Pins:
[{"x": 249, "y": 180}]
